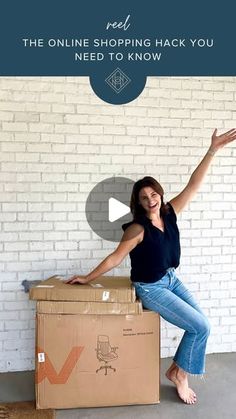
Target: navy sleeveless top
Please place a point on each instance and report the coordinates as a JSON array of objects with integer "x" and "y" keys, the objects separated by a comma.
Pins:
[{"x": 158, "y": 250}]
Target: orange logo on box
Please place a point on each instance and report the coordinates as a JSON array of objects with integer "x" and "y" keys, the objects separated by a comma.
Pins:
[{"x": 47, "y": 370}]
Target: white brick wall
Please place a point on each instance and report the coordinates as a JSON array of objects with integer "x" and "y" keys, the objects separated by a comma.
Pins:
[{"x": 58, "y": 139}]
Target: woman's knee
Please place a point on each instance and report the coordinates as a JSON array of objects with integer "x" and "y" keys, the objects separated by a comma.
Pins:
[{"x": 205, "y": 327}]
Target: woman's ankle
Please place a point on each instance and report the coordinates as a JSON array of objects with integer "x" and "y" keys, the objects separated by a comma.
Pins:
[{"x": 180, "y": 374}]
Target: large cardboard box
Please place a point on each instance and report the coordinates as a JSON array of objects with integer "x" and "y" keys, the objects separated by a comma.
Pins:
[
  {"x": 105, "y": 288},
  {"x": 85, "y": 360}
]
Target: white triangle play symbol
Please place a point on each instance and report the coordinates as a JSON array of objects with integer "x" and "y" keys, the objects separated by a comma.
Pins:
[{"x": 117, "y": 209}]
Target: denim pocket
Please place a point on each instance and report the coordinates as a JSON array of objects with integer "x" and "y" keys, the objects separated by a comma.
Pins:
[
  {"x": 141, "y": 286},
  {"x": 141, "y": 283}
]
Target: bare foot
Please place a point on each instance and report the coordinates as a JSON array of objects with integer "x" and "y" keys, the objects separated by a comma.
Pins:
[{"x": 180, "y": 379}]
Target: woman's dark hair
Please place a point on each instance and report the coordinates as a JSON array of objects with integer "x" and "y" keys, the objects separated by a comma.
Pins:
[{"x": 136, "y": 208}]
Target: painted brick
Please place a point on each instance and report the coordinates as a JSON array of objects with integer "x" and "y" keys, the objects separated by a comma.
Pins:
[{"x": 58, "y": 140}]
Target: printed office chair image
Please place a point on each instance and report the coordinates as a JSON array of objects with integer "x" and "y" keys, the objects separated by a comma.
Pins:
[{"x": 105, "y": 353}]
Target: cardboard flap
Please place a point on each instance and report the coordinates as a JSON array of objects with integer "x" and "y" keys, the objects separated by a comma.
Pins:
[{"x": 88, "y": 307}]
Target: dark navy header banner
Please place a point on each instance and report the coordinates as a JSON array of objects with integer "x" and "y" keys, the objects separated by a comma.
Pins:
[{"x": 117, "y": 44}]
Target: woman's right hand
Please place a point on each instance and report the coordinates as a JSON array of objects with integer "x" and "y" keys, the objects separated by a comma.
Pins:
[{"x": 77, "y": 279}]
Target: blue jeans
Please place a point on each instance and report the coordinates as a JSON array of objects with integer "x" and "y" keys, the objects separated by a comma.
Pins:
[{"x": 174, "y": 302}]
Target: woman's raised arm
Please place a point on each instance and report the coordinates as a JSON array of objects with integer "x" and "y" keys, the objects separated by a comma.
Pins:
[{"x": 197, "y": 177}]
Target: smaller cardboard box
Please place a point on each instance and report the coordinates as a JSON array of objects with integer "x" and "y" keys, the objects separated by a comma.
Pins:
[
  {"x": 104, "y": 289},
  {"x": 85, "y": 360}
]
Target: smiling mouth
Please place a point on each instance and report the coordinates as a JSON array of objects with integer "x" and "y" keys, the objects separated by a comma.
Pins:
[{"x": 153, "y": 206}]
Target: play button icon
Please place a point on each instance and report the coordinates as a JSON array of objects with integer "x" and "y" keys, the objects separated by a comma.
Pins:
[
  {"x": 117, "y": 209},
  {"x": 107, "y": 207}
]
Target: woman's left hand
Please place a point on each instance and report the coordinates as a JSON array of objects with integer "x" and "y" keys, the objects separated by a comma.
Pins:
[
  {"x": 81, "y": 279},
  {"x": 219, "y": 141}
]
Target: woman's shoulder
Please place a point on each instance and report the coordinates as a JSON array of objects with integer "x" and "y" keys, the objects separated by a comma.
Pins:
[{"x": 137, "y": 224}]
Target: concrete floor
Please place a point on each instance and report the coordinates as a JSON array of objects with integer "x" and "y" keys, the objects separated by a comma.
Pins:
[{"x": 216, "y": 395}]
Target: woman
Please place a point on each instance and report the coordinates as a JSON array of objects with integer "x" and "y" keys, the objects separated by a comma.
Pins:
[{"x": 152, "y": 240}]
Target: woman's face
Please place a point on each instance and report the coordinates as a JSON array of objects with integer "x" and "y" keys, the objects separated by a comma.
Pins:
[{"x": 150, "y": 200}]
